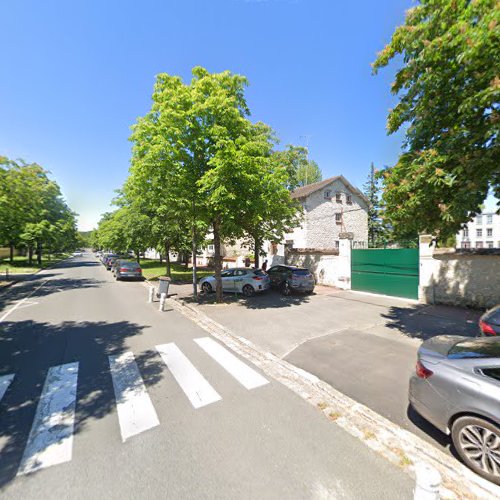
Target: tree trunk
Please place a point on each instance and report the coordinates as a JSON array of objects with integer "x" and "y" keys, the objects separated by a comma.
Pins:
[
  {"x": 39, "y": 253},
  {"x": 257, "y": 245},
  {"x": 11, "y": 255},
  {"x": 217, "y": 260},
  {"x": 167, "y": 258},
  {"x": 161, "y": 259},
  {"x": 193, "y": 256},
  {"x": 137, "y": 256},
  {"x": 30, "y": 255}
]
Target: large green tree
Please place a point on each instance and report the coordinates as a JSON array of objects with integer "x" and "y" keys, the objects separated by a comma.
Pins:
[
  {"x": 301, "y": 170},
  {"x": 449, "y": 88}
]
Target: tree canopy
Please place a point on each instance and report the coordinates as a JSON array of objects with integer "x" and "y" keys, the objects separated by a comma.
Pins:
[{"x": 448, "y": 88}]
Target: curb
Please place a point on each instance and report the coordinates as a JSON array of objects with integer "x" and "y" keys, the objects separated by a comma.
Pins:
[{"x": 399, "y": 446}]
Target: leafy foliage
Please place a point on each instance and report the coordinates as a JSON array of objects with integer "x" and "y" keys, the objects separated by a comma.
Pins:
[
  {"x": 301, "y": 171},
  {"x": 449, "y": 90}
]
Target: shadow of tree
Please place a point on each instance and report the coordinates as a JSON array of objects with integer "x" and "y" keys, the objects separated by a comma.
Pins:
[
  {"x": 424, "y": 322},
  {"x": 28, "y": 349},
  {"x": 270, "y": 299}
]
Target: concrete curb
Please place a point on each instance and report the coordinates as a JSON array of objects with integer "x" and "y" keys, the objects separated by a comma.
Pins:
[{"x": 400, "y": 447}]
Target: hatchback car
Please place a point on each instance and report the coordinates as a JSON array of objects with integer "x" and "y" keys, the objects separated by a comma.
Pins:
[
  {"x": 291, "y": 279},
  {"x": 238, "y": 280},
  {"x": 489, "y": 323},
  {"x": 127, "y": 269},
  {"x": 456, "y": 387}
]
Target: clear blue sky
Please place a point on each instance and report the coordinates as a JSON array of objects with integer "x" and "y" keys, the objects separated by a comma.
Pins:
[{"x": 76, "y": 74}]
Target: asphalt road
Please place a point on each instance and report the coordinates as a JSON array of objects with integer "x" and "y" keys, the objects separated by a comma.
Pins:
[{"x": 103, "y": 396}]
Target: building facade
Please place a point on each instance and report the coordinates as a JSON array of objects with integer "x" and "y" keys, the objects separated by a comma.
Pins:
[{"x": 481, "y": 232}]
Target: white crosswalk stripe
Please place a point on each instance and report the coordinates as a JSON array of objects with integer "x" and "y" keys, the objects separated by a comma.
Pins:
[
  {"x": 136, "y": 413},
  {"x": 192, "y": 382},
  {"x": 51, "y": 438},
  {"x": 5, "y": 381},
  {"x": 246, "y": 376}
]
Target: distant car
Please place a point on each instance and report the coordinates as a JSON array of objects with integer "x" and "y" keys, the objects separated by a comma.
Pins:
[
  {"x": 291, "y": 279},
  {"x": 489, "y": 323},
  {"x": 108, "y": 261},
  {"x": 241, "y": 279},
  {"x": 77, "y": 253},
  {"x": 456, "y": 387},
  {"x": 127, "y": 269}
]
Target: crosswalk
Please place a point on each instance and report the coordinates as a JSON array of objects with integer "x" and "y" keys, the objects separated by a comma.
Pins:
[{"x": 50, "y": 440}]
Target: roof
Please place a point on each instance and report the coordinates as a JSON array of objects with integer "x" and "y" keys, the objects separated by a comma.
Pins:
[{"x": 304, "y": 191}]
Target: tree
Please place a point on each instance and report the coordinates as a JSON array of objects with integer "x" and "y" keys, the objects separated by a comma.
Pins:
[
  {"x": 372, "y": 192},
  {"x": 449, "y": 90},
  {"x": 203, "y": 158},
  {"x": 301, "y": 171}
]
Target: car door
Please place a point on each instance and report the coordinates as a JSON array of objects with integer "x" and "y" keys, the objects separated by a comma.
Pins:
[
  {"x": 239, "y": 279},
  {"x": 228, "y": 280}
]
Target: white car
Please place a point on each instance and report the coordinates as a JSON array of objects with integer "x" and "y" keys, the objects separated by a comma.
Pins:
[
  {"x": 239, "y": 280},
  {"x": 77, "y": 253}
]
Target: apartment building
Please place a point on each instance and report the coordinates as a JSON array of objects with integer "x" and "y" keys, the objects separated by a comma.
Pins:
[{"x": 482, "y": 232}]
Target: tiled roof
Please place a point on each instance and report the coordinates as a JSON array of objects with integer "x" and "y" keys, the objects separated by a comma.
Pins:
[{"x": 305, "y": 191}]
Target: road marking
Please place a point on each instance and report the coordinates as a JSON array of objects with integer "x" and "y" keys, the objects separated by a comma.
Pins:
[
  {"x": 51, "y": 438},
  {"x": 136, "y": 412},
  {"x": 245, "y": 375},
  {"x": 196, "y": 388},
  {"x": 18, "y": 303},
  {"x": 5, "y": 381}
]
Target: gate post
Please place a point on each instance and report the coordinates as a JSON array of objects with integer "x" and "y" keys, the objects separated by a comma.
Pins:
[
  {"x": 426, "y": 269},
  {"x": 344, "y": 271}
]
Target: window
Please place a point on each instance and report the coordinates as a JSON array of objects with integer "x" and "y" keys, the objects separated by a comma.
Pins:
[
  {"x": 328, "y": 194},
  {"x": 479, "y": 219},
  {"x": 489, "y": 232},
  {"x": 348, "y": 199},
  {"x": 338, "y": 218},
  {"x": 337, "y": 243},
  {"x": 479, "y": 232},
  {"x": 338, "y": 197},
  {"x": 466, "y": 232},
  {"x": 492, "y": 372},
  {"x": 210, "y": 248},
  {"x": 227, "y": 274},
  {"x": 240, "y": 272},
  {"x": 489, "y": 219},
  {"x": 479, "y": 244},
  {"x": 465, "y": 244},
  {"x": 489, "y": 244}
]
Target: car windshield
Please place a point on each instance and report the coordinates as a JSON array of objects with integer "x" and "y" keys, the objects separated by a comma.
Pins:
[
  {"x": 301, "y": 272},
  {"x": 476, "y": 348}
]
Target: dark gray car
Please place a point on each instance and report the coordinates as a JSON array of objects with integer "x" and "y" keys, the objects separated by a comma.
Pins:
[
  {"x": 456, "y": 387},
  {"x": 127, "y": 269},
  {"x": 291, "y": 279}
]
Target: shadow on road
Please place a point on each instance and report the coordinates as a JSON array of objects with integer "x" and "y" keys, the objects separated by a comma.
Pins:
[
  {"x": 28, "y": 349},
  {"x": 424, "y": 322}
]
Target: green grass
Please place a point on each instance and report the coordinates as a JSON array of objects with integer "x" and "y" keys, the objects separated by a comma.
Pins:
[
  {"x": 21, "y": 266},
  {"x": 152, "y": 270}
]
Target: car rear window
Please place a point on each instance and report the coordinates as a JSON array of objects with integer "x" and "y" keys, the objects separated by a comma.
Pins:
[
  {"x": 476, "y": 348},
  {"x": 301, "y": 272},
  {"x": 129, "y": 265},
  {"x": 259, "y": 272},
  {"x": 492, "y": 372},
  {"x": 493, "y": 316}
]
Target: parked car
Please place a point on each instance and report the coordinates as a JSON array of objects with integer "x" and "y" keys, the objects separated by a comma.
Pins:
[
  {"x": 291, "y": 279},
  {"x": 77, "y": 253},
  {"x": 241, "y": 279},
  {"x": 456, "y": 387},
  {"x": 489, "y": 323},
  {"x": 127, "y": 269},
  {"x": 108, "y": 261}
]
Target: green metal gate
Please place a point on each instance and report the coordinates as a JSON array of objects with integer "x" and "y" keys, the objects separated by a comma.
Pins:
[{"x": 391, "y": 271}]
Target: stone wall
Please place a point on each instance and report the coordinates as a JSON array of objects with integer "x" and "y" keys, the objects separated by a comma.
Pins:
[{"x": 457, "y": 277}]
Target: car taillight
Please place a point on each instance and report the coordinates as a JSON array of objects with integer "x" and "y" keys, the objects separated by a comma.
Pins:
[
  {"x": 258, "y": 278},
  {"x": 486, "y": 329},
  {"x": 422, "y": 371},
  {"x": 123, "y": 269},
  {"x": 139, "y": 270}
]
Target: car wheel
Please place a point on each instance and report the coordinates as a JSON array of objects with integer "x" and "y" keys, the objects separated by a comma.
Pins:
[
  {"x": 477, "y": 441},
  {"x": 206, "y": 287},
  {"x": 248, "y": 290},
  {"x": 117, "y": 278},
  {"x": 285, "y": 289}
]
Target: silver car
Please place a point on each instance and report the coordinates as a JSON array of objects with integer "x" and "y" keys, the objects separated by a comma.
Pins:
[
  {"x": 456, "y": 387},
  {"x": 239, "y": 280}
]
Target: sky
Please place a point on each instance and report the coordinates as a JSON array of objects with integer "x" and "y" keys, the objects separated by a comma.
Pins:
[{"x": 74, "y": 76}]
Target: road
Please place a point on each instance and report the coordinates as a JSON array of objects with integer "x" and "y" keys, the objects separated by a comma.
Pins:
[{"x": 103, "y": 396}]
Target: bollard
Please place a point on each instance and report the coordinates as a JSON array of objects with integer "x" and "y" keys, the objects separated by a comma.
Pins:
[
  {"x": 428, "y": 482},
  {"x": 151, "y": 293},
  {"x": 163, "y": 297}
]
